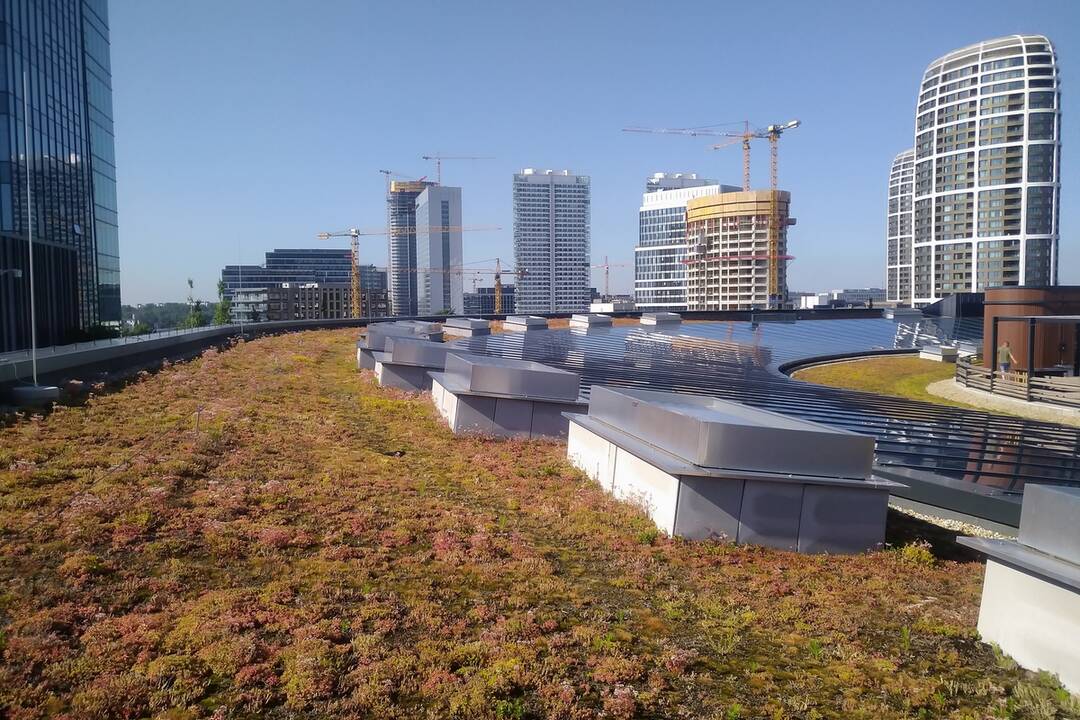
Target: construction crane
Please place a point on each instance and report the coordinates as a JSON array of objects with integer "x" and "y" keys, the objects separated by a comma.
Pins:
[
  {"x": 438, "y": 158},
  {"x": 496, "y": 271},
  {"x": 607, "y": 273},
  {"x": 354, "y": 235},
  {"x": 390, "y": 174},
  {"x": 771, "y": 133},
  {"x": 745, "y": 136}
]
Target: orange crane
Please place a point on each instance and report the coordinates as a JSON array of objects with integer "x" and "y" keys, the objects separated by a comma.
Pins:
[
  {"x": 497, "y": 271},
  {"x": 771, "y": 133},
  {"x": 438, "y": 158},
  {"x": 607, "y": 273},
  {"x": 745, "y": 136},
  {"x": 354, "y": 235}
]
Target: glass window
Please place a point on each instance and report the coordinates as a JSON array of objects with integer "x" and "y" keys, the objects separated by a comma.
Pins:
[
  {"x": 1040, "y": 164},
  {"x": 1041, "y": 126}
]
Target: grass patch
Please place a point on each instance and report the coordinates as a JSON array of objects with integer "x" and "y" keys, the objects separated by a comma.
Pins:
[
  {"x": 903, "y": 376},
  {"x": 324, "y": 547}
]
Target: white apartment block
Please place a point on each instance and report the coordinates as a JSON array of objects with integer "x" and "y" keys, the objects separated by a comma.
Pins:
[
  {"x": 551, "y": 241},
  {"x": 987, "y": 171},
  {"x": 901, "y": 200},
  {"x": 438, "y": 251}
]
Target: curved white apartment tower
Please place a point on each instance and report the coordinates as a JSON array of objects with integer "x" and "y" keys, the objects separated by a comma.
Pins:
[
  {"x": 987, "y": 175},
  {"x": 901, "y": 188}
]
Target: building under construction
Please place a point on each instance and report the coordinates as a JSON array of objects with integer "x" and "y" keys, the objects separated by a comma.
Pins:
[
  {"x": 730, "y": 257},
  {"x": 401, "y": 244}
]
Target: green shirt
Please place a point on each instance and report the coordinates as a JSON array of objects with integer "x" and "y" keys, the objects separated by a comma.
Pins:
[{"x": 1004, "y": 355}]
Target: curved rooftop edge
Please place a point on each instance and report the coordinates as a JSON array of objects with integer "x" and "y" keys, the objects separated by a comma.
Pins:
[
  {"x": 61, "y": 362},
  {"x": 966, "y": 461},
  {"x": 988, "y": 45}
]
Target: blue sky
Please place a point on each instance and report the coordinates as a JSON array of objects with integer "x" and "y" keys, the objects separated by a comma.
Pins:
[{"x": 244, "y": 125}]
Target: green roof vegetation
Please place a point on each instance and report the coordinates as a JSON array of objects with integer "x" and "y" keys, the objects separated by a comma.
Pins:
[
  {"x": 903, "y": 376},
  {"x": 322, "y": 547}
]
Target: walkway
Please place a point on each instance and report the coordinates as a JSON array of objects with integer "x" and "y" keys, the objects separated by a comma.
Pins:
[{"x": 951, "y": 390}]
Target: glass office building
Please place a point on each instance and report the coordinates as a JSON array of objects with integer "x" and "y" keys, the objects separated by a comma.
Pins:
[
  {"x": 659, "y": 258},
  {"x": 438, "y": 251},
  {"x": 62, "y": 47},
  {"x": 987, "y": 173},
  {"x": 401, "y": 244}
]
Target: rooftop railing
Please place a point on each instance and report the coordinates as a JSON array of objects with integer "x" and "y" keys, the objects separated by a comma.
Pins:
[{"x": 1020, "y": 385}]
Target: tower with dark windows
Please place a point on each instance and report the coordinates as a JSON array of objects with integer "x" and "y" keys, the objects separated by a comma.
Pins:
[
  {"x": 986, "y": 176},
  {"x": 62, "y": 148}
]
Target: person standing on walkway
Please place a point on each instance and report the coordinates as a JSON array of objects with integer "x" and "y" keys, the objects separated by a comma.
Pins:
[{"x": 1005, "y": 357}]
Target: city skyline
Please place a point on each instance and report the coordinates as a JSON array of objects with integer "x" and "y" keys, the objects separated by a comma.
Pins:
[{"x": 346, "y": 143}]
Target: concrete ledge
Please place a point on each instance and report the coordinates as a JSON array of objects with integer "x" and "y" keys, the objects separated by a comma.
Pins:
[
  {"x": 379, "y": 333},
  {"x": 403, "y": 377},
  {"x": 524, "y": 323},
  {"x": 1031, "y": 593},
  {"x": 418, "y": 351},
  {"x": 804, "y": 514},
  {"x": 365, "y": 358},
  {"x": 500, "y": 416},
  {"x": 940, "y": 353},
  {"x": 714, "y": 433},
  {"x": 466, "y": 327},
  {"x": 590, "y": 321},
  {"x": 1035, "y": 622},
  {"x": 407, "y": 361},
  {"x": 509, "y": 378},
  {"x": 661, "y": 318},
  {"x": 702, "y": 467}
]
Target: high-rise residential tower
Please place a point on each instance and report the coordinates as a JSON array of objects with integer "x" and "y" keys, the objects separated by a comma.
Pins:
[
  {"x": 659, "y": 267},
  {"x": 401, "y": 244},
  {"x": 901, "y": 189},
  {"x": 62, "y": 46},
  {"x": 438, "y": 251},
  {"x": 987, "y": 175},
  {"x": 551, "y": 241},
  {"x": 728, "y": 257}
]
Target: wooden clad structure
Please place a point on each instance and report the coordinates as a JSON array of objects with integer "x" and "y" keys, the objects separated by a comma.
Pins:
[{"x": 1055, "y": 344}]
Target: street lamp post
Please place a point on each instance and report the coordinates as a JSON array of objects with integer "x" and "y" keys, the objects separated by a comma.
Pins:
[
  {"x": 35, "y": 394},
  {"x": 29, "y": 227}
]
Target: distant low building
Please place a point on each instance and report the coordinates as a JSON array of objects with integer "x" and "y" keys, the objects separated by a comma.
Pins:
[
  {"x": 482, "y": 301},
  {"x": 301, "y": 265},
  {"x": 849, "y": 297},
  {"x": 613, "y": 305},
  {"x": 305, "y": 301},
  {"x": 249, "y": 305}
]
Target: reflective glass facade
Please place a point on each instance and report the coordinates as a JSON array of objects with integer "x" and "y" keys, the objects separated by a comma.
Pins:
[
  {"x": 401, "y": 244},
  {"x": 62, "y": 46},
  {"x": 438, "y": 251},
  {"x": 659, "y": 267}
]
